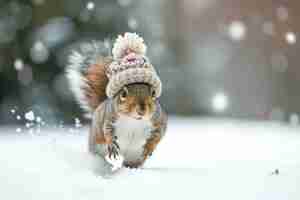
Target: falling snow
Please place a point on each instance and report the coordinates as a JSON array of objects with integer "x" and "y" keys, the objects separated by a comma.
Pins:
[
  {"x": 38, "y": 119},
  {"x": 219, "y": 102},
  {"x": 290, "y": 38},
  {"x": 77, "y": 123},
  {"x": 90, "y": 5},
  {"x": 237, "y": 30},
  {"x": 29, "y": 116},
  {"x": 18, "y": 130},
  {"x": 19, "y": 65}
]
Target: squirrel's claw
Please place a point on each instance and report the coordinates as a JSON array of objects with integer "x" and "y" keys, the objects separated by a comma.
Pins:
[
  {"x": 113, "y": 149},
  {"x": 116, "y": 145}
]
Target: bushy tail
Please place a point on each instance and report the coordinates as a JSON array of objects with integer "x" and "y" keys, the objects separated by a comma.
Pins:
[{"x": 86, "y": 73}]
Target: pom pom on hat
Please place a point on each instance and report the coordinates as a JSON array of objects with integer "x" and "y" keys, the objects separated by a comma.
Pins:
[{"x": 129, "y": 43}]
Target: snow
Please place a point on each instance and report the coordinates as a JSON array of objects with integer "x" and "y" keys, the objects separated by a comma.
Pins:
[
  {"x": 38, "y": 119},
  {"x": 291, "y": 38},
  {"x": 19, "y": 65},
  {"x": 18, "y": 130},
  {"x": 29, "y": 115},
  {"x": 198, "y": 159},
  {"x": 90, "y": 5},
  {"x": 219, "y": 102},
  {"x": 77, "y": 123},
  {"x": 237, "y": 30}
]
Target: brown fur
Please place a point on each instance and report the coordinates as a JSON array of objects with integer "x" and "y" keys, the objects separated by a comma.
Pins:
[
  {"x": 153, "y": 141},
  {"x": 151, "y": 145},
  {"x": 101, "y": 139},
  {"x": 138, "y": 102},
  {"x": 97, "y": 82}
]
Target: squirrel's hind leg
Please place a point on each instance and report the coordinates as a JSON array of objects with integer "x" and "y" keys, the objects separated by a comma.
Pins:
[{"x": 133, "y": 165}]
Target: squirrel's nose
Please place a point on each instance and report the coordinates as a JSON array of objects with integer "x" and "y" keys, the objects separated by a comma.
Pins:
[{"x": 141, "y": 110}]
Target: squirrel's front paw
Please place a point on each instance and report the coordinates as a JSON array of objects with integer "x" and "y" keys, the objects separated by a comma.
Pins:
[{"x": 113, "y": 148}]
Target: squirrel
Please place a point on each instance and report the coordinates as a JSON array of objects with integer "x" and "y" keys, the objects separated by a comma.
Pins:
[{"x": 121, "y": 94}]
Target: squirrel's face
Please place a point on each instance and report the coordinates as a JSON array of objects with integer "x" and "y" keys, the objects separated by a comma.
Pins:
[{"x": 137, "y": 101}]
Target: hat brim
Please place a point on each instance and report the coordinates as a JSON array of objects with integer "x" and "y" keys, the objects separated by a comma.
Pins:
[{"x": 130, "y": 76}]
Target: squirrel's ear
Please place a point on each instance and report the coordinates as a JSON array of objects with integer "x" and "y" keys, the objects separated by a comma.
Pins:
[
  {"x": 153, "y": 93},
  {"x": 124, "y": 93},
  {"x": 126, "y": 89}
]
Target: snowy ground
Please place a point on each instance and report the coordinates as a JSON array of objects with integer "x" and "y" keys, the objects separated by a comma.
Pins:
[{"x": 198, "y": 159}]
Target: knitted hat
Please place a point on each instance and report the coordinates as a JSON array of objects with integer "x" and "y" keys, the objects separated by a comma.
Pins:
[{"x": 130, "y": 65}]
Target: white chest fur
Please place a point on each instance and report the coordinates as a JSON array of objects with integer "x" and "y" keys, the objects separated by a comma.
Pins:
[{"x": 132, "y": 135}]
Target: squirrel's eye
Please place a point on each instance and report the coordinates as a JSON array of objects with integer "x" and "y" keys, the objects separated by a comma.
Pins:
[
  {"x": 153, "y": 94},
  {"x": 124, "y": 94}
]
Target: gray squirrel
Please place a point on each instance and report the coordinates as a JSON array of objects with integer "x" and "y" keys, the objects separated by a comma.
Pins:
[{"x": 120, "y": 92}]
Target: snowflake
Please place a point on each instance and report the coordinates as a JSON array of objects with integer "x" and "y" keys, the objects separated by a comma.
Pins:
[
  {"x": 18, "y": 130},
  {"x": 220, "y": 102},
  {"x": 290, "y": 38},
  {"x": 237, "y": 30},
  {"x": 38, "y": 119},
  {"x": 90, "y": 5},
  {"x": 29, "y": 116},
  {"x": 19, "y": 65}
]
